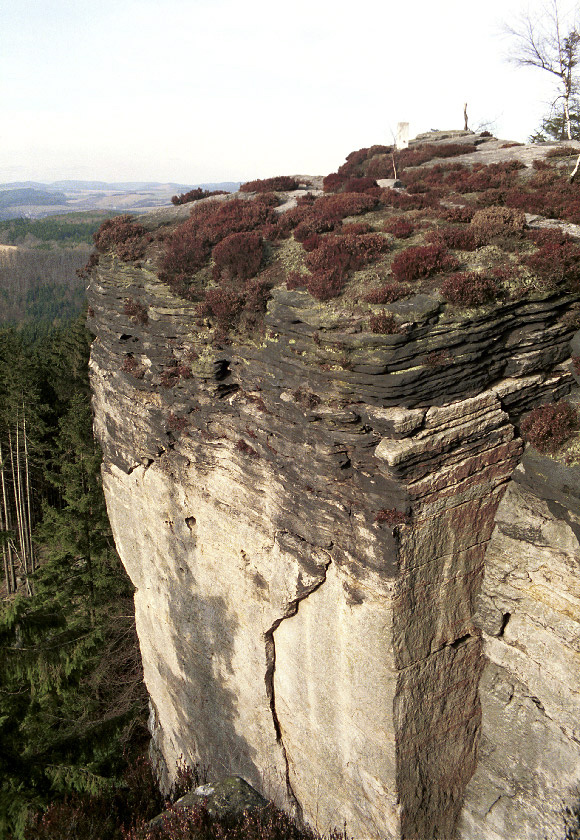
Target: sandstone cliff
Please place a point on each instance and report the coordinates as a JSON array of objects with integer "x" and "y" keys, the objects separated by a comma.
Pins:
[{"x": 351, "y": 588}]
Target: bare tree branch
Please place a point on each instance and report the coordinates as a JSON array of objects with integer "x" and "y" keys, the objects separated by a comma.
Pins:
[{"x": 542, "y": 44}]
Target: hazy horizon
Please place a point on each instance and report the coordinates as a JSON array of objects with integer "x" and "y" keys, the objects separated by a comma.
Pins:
[{"x": 206, "y": 91}]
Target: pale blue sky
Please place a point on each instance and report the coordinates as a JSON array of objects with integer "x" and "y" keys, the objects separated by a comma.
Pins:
[{"x": 211, "y": 90}]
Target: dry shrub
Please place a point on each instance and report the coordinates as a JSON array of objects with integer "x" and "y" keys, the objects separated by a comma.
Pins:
[
  {"x": 470, "y": 289},
  {"x": 548, "y": 426},
  {"x": 422, "y": 261},
  {"x": 335, "y": 256},
  {"x": 384, "y": 323},
  {"x": 279, "y": 183},
  {"x": 457, "y": 213},
  {"x": 225, "y": 305},
  {"x": 189, "y": 247},
  {"x": 557, "y": 260},
  {"x": 195, "y": 195},
  {"x": 494, "y": 222},
  {"x": 122, "y": 235},
  {"x": 407, "y": 201},
  {"x": 238, "y": 256},
  {"x": 388, "y": 293},
  {"x": 398, "y": 227},
  {"x": 459, "y": 237},
  {"x": 562, "y": 151},
  {"x": 355, "y": 228}
]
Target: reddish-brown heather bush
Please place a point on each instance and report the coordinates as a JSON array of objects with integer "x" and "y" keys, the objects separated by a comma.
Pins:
[
  {"x": 327, "y": 211},
  {"x": 195, "y": 195},
  {"x": 357, "y": 163},
  {"x": 256, "y": 296},
  {"x": 576, "y": 364},
  {"x": 470, "y": 289},
  {"x": 391, "y": 516},
  {"x": 454, "y": 236},
  {"x": 355, "y": 228},
  {"x": 341, "y": 254},
  {"x": 120, "y": 234},
  {"x": 90, "y": 312},
  {"x": 556, "y": 261},
  {"x": 345, "y": 204},
  {"x": 195, "y": 824},
  {"x": 406, "y": 201},
  {"x": 458, "y": 214},
  {"x": 313, "y": 226},
  {"x": 280, "y": 183},
  {"x": 175, "y": 423},
  {"x": 541, "y": 165},
  {"x": 571, "y": 319},
  {"x": 311, "y": 242},
  {"x": 399, "y": 227},
  {"x": 562, "y": 151},
  {"x": 225, "y": 305},
  {"x": 84, "y": 272},
  {"x": 416, "y": 155},
  {"x": 334, "y": 182},
  {"x": 383, "y": 323},
  {"x": 548, "y": 236},
  {"x": 232, "y": 216},
  {"x": 548, "y": 426},
  {"x": 388, "y": 293},
  {"x": 116, "y": 231},
  {"x": 268, "y": 199},
  {"x": 493, "y": 222},
  {"x": 246, "y": 449},
  {"x": 561, "y": 200},
  {"x": 324, "y": 285},
  {"x": 136, "y": 311},
  {"x": 510, "y": 145},
  {"x": 380, "y": 166},
  {"x": 360, "y": 185},
  {"x": 422, "y": 261},
  {"x": 187, "y": 250},
  {"x": 238, "y": 256},
  {"x": 274, "y": 232}
]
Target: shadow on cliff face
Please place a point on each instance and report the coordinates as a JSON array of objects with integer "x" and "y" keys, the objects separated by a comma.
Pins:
[{"x": 201, "y": 722}]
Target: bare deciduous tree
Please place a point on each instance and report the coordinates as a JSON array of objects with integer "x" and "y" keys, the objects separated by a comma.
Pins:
[{"x": 551, "y": 44}]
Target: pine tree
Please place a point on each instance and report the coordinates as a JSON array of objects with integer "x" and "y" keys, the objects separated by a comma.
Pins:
[{"x": 70, "y": 680}]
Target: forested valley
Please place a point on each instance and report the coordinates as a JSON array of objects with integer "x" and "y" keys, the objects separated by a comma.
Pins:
[
  {"x": 72, "y": 702},
  {"x": 41, "y": 280},
  {"x": 73, "y": 708}
]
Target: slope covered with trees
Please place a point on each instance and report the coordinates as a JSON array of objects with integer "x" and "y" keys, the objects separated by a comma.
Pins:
[{"x": 72, "y": 702}]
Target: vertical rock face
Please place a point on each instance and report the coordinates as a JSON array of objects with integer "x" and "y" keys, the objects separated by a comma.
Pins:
[
  {"x": 529, "y": 610},
  {"x": 307, "y": 520}
]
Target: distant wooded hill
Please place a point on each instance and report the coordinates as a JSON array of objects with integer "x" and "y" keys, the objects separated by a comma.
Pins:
[{"x": 33, "y": 199}]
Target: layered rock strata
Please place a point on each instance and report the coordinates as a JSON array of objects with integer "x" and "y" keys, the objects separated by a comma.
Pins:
[{"x": 305, "y": 517}]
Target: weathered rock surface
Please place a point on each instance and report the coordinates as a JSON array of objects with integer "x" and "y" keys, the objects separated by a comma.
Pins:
[
  {"x": 529, "y": 609},
  {"x": 307, "y": 519}
]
